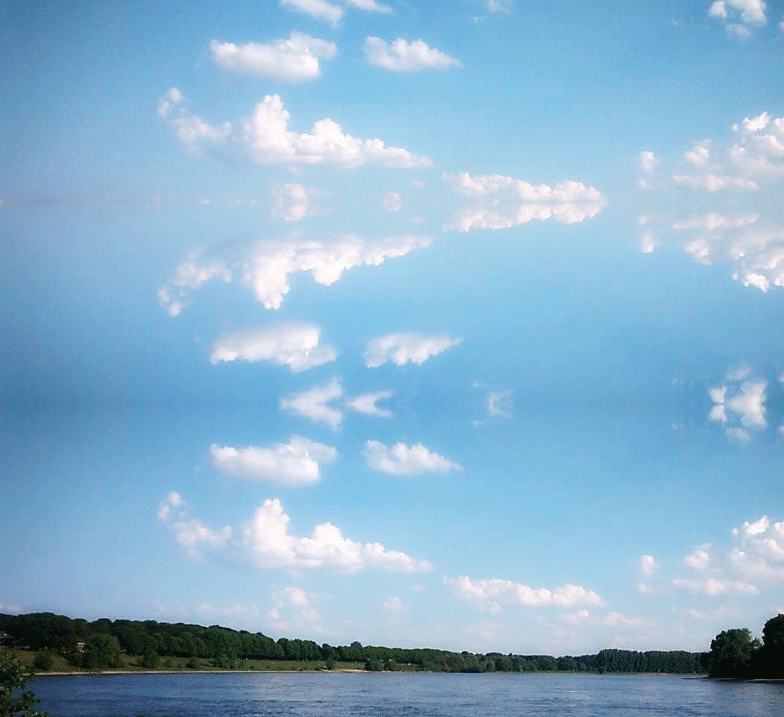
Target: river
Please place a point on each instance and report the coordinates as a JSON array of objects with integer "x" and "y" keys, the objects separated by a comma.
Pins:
[{"x": 402, "y": 695}]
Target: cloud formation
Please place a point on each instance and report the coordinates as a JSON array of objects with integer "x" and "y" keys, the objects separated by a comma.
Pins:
[
  {"x": 314, "y": 404},
  {"x": 403, "y": 56},
  {"x": 503, "y": 202},
  {"x": 293, "y": 60},
  {"x": 331, "y": 11},
  {"x": 490, "y": 594},
  {"x": 295, "y": 463},
  {"x": 292, "y": 202},
  {"x": 402, "y": 460},
  {"x": 265, "y": 138},
  {"x": 739, "y": 404},
  {"x": 739, "y": 16},
  {"x": 265, "y": 266},
  {"x": 293, "y": 345},
  {"x": 754, "y": 561},
  {"x": 265, "y": 542},
  {"x": 402, "y": 348}
]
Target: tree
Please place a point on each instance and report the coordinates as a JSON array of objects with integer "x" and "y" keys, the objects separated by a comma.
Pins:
[
  {"x": 731, "y": 652},
  {"x": 101, "y": 650},
  {"x": 769, "y": 661},
  {"x": 12, "y": 677}
]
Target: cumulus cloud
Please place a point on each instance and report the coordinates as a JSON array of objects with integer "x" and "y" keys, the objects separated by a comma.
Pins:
[
  {"x": 265, "y": 138},
  {"x": 739, "y": 404},
  {"x": 739, "y": 16},
  {"x": 295, "y": 463},
  {"x": 648, "y": 565},
  {"x": 190, "y": 533},
  {"x": 265, "y": 266},
  {"x": 314, "y": 404},
  {"x": 490, "y": 594},
  {"x": 403, "y": 56},
  {"x": 754, "y": 560},
  {"x": 293, "y": 345},
  {"x": 504, "y": 6},
  {"x": 401, "y": 459},
  {"x": 403, "y": 348},
  {"x": 292, "y": 60},
  {"x": 503, "y": 202},
  {"x": 499, "y": 404},
  {"x": 265, "y": 542},
  {"x": 394, "y": 604},
  {"x": 269, "y": 544},
  {"x": 367, "y": 404}
]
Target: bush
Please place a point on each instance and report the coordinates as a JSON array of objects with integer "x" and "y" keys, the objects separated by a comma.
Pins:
[{"x": 43, "y": 661}]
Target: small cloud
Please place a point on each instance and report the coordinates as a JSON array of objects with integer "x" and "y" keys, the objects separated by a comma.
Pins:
[
  {"x": 392, "y": 202},
  {"x": 647, "y": 565},
  {"x": 318, "y": 9},
  {"x": 739, "y": 16},
  {"x": 403, "y": 348},
  {"x": 499, "y": 404},
  {"x": 367, "y": 404},
  {"x": 295, "y": 463},
  {"x": 504, "y": 6},
  {"x": 495, "y": 591},
  {"x": 394, "y": 604},
  {"x": 190, "y": 533},
  {"x": 295, "y": 59},
  {"x": 314, "y": 404},
  {"x": 292, "y": 202},
  {"x": 402, "y": 56},
  {"x": 293, "y": 345},
  {"x": 739, "y": 404},
  {"x": 401, "y": 459}
]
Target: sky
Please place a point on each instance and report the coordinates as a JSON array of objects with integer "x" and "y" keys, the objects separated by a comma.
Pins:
[{"x": 423, "y": 324}]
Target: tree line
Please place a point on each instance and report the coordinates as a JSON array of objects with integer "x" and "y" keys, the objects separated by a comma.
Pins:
[
  {"x": 99, "y": 644},
  {"x": 737, "y": 654}
]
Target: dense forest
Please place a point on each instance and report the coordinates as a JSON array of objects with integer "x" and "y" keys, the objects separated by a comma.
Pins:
[
  {"x": 99, "y": 644},
  {"x": 736, "y": 654}
]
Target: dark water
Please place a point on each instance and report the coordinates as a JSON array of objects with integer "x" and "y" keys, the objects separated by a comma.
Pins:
[{"x": 402, "y": 695}]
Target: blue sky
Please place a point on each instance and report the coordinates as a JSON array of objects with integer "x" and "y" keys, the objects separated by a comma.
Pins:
[{"x": 419, "y": 324}]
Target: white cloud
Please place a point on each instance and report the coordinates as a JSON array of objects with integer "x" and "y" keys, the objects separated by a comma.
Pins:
[
  {"x": 755, "y": 559},
  {"x": 10, "y": 609},
  {"x": 504, "y": 6},
  {"x": 499, "y": 404},
  {"x": 319, "y": 9},
  {"x": 403, "y": 348},
  {"x": 294, "y": 463},
  {"x": 648, "y": 565},
  {"x": 268, "y": 542},
  {"x": 714, "y": 183},
  {"x": 265, "y": 266},
  {"x": 367, "y": 404},
  {"x": 293, "y": 60},
  {"x": 739, "y": 15},
  {"x": 739, "y": 404},
  {"x": 265, "y": 138},
  {"x": 401, "y": 459},
  {"x": 293, "y": 610},
  {"x": 293, "y": 345},
  {"x": 493, "y": 592},
  {"x": 505, "y": 202},
  {"x": 314, "y": 404},
  {"x": 402, "y": 56},
  {"x": 394, "y": 604},
  {"x": 190, "y": 533},
  {"x": 648, "y": 162},
  {"x": 292, "y": 202},
  {"x": 168, "y": 102},
  {"x": 392, "y": 202},
  {"x": 370, "y": 6}
]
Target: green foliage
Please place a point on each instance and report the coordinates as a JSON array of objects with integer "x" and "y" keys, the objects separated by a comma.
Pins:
[
  {"x": 731, "y": 653},
  {"x": 12, "y": 678},
  {"x": 151, "y": 659},
  {"x": 43, "y": 661},
  {"x": 101, "y": 650}
]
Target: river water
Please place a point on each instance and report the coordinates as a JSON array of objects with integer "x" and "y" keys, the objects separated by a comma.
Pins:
[{"x": 402, "y": 695}]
